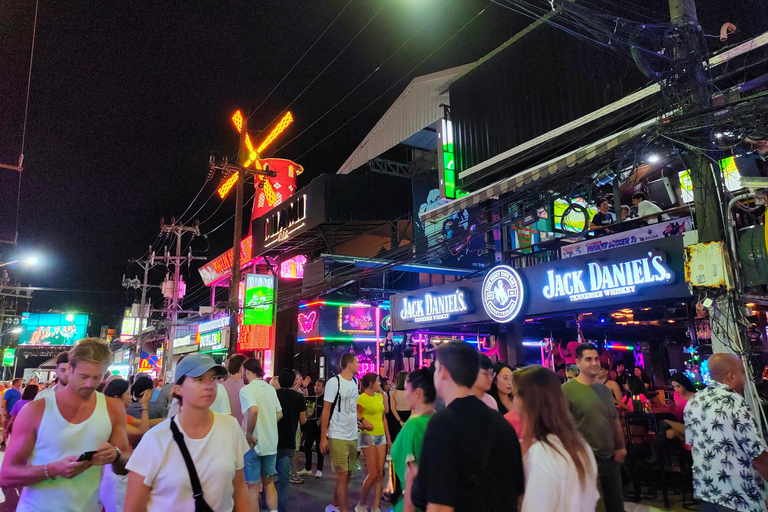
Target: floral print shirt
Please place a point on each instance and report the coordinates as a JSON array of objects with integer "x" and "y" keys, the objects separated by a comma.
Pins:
[{"x": 722, "y": 433}]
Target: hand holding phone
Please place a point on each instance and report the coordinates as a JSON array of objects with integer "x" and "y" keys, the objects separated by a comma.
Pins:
[{"x": 86, "y": 456}]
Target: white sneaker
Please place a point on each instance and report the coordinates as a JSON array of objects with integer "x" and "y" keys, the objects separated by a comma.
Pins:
[
  {"x": 318, "y": 474},
  {"x": 304, "y": 472},
  {"x": 377, "y": 509},
  {"x": 361, "y": 508},
  {"x": 331, "y": 508}
]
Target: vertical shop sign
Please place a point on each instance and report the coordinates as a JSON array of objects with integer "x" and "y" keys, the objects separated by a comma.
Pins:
[
  {"x": 9, "y": 355},
  {"x": 259, "y": 299}
]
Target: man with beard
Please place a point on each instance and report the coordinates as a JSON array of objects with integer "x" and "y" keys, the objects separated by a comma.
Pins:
[{"x": 62, "y": 376}]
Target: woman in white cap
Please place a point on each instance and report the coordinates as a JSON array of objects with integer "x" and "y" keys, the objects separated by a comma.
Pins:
[{"x": 193, "y": 460}]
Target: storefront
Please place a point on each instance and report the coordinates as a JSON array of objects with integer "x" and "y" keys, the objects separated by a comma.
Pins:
[{"x": 609, "y": 296}]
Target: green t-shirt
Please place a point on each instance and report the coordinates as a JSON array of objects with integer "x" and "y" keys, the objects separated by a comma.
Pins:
[
  {"x": 594, "y": 411},
  {"x": 408, "y": 442}
]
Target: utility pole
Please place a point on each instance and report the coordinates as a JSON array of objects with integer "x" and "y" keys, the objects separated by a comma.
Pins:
[
  {"x": 176, "y": 293},
  {"x": 236, "y": 275},
  {"x": 144, "y": 286}
]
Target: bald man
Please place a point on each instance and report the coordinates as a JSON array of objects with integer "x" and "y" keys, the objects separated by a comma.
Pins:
[{"x": 729, "y": 458}]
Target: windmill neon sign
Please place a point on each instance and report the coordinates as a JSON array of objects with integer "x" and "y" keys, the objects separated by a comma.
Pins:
[{"x": 253, "y": 155}]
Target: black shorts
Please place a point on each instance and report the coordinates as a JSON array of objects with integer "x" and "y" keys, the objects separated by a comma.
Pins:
[
  {"x": 407, "y": 354},
  {"x": 388, "y": 356}
]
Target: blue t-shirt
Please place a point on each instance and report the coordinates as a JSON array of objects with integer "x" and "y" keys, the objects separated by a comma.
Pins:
[{"x": 11, "y": 397}]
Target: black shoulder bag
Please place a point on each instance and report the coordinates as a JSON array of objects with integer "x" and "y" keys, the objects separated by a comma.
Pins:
[{"x": 197, "y": 489}]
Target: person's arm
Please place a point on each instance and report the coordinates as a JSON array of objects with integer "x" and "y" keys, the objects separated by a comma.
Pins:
[
  {"x": 137, "y": 494},
  {"x": 411, "y": 471},
  {"x": 117, "y": 450},
  {"x": 393, "y": 406},
  {"x": 252, "y": 414},
  {"x": 433, "y": 507},
  {"x": 15, "y": 471},
  {"x": 365, "y": 425},
  {"x": 324, "y": 420},
  {"x": 386, "y": 429},
  {"x": 303, "y": 417},
  {"x": 619, "y": 441},
  {"x": 385, "y": 396},
  {"x": 241, "y": 496}
]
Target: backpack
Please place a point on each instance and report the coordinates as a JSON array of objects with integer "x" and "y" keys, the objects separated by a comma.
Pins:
[{"x": 336, "y": 399}]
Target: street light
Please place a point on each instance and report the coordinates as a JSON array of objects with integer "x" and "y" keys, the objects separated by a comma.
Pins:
[{"x": 31, "y": 261}]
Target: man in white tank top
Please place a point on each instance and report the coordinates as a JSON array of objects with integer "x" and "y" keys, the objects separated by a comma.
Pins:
[{"x": 50, "y": 435}]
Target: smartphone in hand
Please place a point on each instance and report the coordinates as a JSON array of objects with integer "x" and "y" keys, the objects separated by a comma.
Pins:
[{"x": 86, "y": 456}]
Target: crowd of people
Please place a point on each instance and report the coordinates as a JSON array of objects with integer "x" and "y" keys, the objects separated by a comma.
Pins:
[{"x": 464, "y": 434}]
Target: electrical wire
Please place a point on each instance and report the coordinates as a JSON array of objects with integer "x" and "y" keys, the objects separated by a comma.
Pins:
[
  {"x": 386, "y": 2},
  {"x": 394, "y": 84},
  {"x": 193, "y": 201},
  {"x": 414, "y": 34},
  {"x": 230, "y": 217},
  {"x": 300, "y": 59}
]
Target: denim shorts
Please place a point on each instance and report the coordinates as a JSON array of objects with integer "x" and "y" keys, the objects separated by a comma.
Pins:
[
  {"x": 367, "y": 440},
  {"x": 258, "y": 467}
]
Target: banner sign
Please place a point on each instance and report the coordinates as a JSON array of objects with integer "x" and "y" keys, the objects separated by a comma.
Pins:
[
  {"x": 635, "y": 236},
  {"x": 428, "y": 307},
  {"x": 259, "y": 299}
]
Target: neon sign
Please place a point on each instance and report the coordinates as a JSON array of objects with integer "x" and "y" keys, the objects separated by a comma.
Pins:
[
  {"x": 502, "y": 294},
  {"x": 307, "y": 321},
  {"x": 281, "y": 224},
  {"x": 608, "y": 280},
  {"x": 213, "y": 325},
  {"x": 356, "y": 320},
  {"x": 434, "y": 307},
  {"x": 222, "y": 265},
  {"x": 281, "y": 126},
  {"x": 293, "y": 268}
]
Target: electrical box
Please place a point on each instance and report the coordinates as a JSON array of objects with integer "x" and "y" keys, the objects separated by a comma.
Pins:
[{"x": 708, "y": 265}]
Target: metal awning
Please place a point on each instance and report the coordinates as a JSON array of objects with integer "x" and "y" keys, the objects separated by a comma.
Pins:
[{"x": 546, "y": 169}]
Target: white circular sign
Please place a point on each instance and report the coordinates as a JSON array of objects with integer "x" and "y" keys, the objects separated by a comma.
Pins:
[{"x": 502, "y": 294}]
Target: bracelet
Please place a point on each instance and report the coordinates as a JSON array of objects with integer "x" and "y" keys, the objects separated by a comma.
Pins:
[
  {"x": 47, "y": 476},
  {"x": 117, "y": 457}
]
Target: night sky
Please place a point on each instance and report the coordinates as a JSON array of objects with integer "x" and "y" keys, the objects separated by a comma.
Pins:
[{"x": 129, "y": 99}]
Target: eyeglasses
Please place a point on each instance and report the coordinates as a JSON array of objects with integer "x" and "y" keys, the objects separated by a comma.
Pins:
[{"x": 488, "y": 373}]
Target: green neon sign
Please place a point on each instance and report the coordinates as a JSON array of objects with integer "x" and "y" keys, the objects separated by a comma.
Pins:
[
  {"x": 259, "y": 299},
  {"x": 9, "y": 355}
]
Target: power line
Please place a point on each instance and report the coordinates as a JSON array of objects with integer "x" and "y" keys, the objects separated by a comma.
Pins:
[
  {"x": 394, "y": 84},
  {"x": 181, "y": 218},
  {"x": 330, "y": 63},
  {"x": 366, "y": 78},
  {"x": 300, "y": 59}
]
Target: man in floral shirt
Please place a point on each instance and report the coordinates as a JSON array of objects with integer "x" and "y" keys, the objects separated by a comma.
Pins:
[{"x": 729, "y": 458}]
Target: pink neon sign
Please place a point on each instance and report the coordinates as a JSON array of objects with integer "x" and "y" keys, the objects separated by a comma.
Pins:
[
  {"x": 307, "y": 321},
  {"x": 293, "y": 268}
]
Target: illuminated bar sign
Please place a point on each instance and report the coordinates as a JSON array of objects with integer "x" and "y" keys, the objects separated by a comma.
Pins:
[
  {"x": 9, "y": 355},
  {"x": 601, "y": 280},
  {"x": 222, "y": 266},
  {"x": 432, "y": 308},
  {"x": 259, "y": 299},
  {"x": 281, "y": 224},
  {"x": 642, "y": 273}
]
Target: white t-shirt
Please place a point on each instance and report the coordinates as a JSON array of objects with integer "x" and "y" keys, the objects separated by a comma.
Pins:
[
  {"x": 221, "y": 403},
  {"x": 260, "y": 394},
  {"x": 343, "y": 423},
  {"x": 217, "y": 457},
  {"x": 552, "y": 482},
  {"x": 648, "y": 208}
]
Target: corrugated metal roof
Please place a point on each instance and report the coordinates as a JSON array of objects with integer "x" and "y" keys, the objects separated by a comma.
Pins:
[
  {"x": 415, "y": 109},
  {"x": 543, "y": 170}
]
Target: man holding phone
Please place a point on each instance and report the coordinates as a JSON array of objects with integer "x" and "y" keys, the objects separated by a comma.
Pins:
[{"x": 59, "y": 441}]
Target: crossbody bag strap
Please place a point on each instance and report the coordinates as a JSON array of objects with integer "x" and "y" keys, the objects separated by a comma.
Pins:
[{"x": 197, "y": 489}]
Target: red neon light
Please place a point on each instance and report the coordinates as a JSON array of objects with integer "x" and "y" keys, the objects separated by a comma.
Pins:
[
  {"x": 227, "y": 185},
  {"x": 281, "y": 126},
  {"x": 238, "y": 120},
  {"x": 222, "y": 265}
]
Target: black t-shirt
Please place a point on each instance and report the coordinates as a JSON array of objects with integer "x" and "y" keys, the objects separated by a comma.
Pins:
[
  {"x": 602, "y": 219},
  {"x": 293, "y": 405},
  {"x": 471, "y": 460}
]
